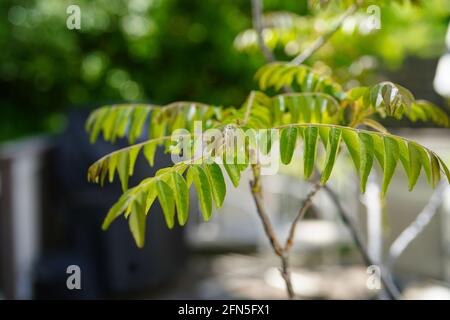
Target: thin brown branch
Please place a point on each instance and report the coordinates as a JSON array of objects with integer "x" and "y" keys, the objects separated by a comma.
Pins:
[
  {"x": 256, "y": 193},
  {"x": 324, "y": 38},
  {"x": 249, "y": 107},
  {"x": 255, "y": 186},
  {"x": 301, "y": 213},
  {"x": 257, "y": 20},
  {"x": 286, "y": 274}
]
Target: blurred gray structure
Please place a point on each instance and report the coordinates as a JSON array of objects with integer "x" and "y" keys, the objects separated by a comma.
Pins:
[
  {"x": 20, "y": 212},
  {"x": 50, "y": 218}
]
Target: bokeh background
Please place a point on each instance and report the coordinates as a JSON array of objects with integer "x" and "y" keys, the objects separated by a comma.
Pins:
[{"x": 160, "y": 51}]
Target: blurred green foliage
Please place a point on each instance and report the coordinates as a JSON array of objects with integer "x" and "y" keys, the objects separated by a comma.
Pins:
[
  {"x": 404, "y": 29},
  {"x": 137, "y": 50},
  {"x": 126, "y": 50}
]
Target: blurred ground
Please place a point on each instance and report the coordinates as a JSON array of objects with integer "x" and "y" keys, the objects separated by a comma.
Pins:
[{"x": 239, "y": 276}]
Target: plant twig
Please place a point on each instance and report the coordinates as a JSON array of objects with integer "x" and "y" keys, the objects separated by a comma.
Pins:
[
  {"x": 255, "y": 186},
  {"x": 249, "y": 107},
  {"x": 286, "y": 274},
  {"x": 282, "y": 252},
  {"x": 324, "y": 38},
  {"x": 301, "y": 213},
  {"x": 257, "y": 14}
]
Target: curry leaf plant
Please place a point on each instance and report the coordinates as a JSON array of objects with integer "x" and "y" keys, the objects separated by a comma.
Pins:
[
  {"x": 315, "y": 115},
  {"x": 318, "y": 112}
]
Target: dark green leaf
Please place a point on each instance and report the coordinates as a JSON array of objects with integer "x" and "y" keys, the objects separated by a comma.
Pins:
[
  {"x": 288, "y": 141},
  {"x": 424, "y": 159},
  {"x": 445, "y": 168},
  {"x": 351, "y": 140},
  {"x": 414, "y": 164},
  {"x": 311, "y": 135},
  {"x": 435, "y": 170},
  {"x": 334, "y": 141},
  {"x": 378, "y": 147},
  {"x": 391, "y": 155},
  {"x": 366, "y": 158}
]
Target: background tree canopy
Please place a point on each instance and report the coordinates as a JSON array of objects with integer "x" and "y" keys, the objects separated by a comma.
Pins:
[{"x": 161, "y": 51}]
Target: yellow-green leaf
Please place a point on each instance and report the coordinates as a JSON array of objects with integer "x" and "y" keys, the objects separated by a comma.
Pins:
[
  {"x": 149, "y": 152},
  {"x": 123, "y": 168},
  {"x": 151, "y": 196},
  {"x": 134, "y": 152},
  {"x": 217, "y": 183},
  {"x": 110, "y": 124},
  {"x": 166, "y": 199},
  {"x": 99, "y": 116},
  {"x": 116, "y": 210},
  {"x": 139, "y": 116},
  {"x": 203, "y": 190},
  {"x": 136, "y": 222},
  {"x": 112, "y": 165},
  {"x": 122, "y": 122},
  {"x": 233, "y": 171},
  {"x": 181, "y": 193}
]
